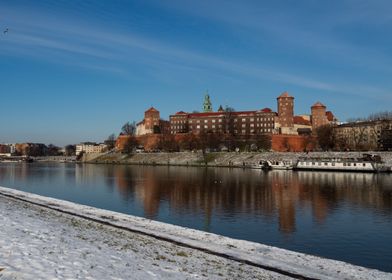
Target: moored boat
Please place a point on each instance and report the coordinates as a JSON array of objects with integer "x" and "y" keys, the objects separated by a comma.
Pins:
[
  {"x": 278, "y": 164},
  {"x": 368, "y": 163}
]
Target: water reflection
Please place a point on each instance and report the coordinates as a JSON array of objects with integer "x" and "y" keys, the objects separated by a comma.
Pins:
[{"x": 331, "y": 214}]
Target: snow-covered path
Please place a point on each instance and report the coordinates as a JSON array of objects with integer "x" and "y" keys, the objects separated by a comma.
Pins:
[{"x": 39, "y": 243}]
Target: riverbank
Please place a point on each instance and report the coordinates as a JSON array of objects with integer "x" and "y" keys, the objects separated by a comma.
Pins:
[
  {"x": 65, "y": 240},
  {"x": 40, "y": 243},
  {"x": 223, "y": 159}
]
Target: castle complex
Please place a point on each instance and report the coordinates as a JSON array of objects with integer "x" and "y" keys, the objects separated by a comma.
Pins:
[
  {"x": 238, "y": 123},
  {"x": 256, "y": 122},
  {"x": 286, "y": 129}
]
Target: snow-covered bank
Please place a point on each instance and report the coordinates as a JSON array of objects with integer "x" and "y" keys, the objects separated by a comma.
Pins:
[
  {"x": 86, "y": 243},
  {"x": 40, "y": 243}
]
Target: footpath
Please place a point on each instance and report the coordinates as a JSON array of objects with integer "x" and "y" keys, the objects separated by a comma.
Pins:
[{"x": 45, "y": 238}]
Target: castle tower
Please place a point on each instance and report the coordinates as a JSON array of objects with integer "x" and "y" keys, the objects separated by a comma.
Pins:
[
  {"x": 151, "y": 118},
  {"x": 207, "y": 106},
  {"x": 319, "y": 116},
  {"x": 286, "y": 110}
]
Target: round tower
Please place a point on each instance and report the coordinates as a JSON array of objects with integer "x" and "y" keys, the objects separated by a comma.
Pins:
[{"x": 319, "y": 116}]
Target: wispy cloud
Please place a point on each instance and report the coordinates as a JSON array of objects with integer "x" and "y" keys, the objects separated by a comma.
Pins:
[{"x": 117, "y": 51}]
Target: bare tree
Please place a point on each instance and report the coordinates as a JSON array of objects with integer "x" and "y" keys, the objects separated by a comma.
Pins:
[
  {"x": 130, "y": 144},
  {"x": 111, "y": 141},
  {"x": 129, "y": 128},
  {"x": 70, "y": 150},
  {"x": 325, "y": 137},
  {"x": 167, "y": 143}
]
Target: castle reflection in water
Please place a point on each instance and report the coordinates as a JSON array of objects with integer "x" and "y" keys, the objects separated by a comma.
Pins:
[
  {"x": 232, "y": 192},
  {"x": 222, "y": 191}
]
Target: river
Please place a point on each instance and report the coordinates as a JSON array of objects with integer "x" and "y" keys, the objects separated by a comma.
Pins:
[{"x": 343, "y": 216}]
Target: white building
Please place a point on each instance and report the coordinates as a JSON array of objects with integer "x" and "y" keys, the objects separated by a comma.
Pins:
[{"x": 90, "y": 148}]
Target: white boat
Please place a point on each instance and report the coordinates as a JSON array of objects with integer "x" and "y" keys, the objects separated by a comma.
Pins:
[
  {"x": 278, "y": 164},
  {"x": 368, "y": 163}
]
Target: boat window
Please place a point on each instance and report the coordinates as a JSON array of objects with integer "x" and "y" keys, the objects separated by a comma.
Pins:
[
  {"x": 326, "y": 163},
  {"x": 344, "y": 164},
  {"x": 307, "y": 163},
  {"x": 313, "y": 163},
  {"x": 319, "y": 163},
  {"x": 349, "y": 164},
  {"x": 364, "y": 164},
  {"x": 333, "y": 164},
  {"x": 355, "y": 164}
]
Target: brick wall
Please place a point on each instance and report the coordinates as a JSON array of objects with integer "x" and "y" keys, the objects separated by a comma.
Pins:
[{"x": 292, "y": 143}]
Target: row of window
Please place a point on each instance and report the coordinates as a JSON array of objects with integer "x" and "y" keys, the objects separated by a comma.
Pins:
[
  {"x": 332, "y": 164},
  {"x": 220, "y": 120}
]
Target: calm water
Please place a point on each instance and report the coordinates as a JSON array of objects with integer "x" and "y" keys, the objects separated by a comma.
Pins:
[{"x": 345, "y": 216}]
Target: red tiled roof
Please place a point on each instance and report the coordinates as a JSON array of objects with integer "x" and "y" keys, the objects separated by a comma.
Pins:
[
  {"x": 207, "y": 114},
  {"x": 266, "y": 110},
  {"x": 181, "y": 113},
  {"x": 318, "y": 104},
  {"x": 285, "y": 94},
  {"x": 152, "y": 109},
  {"x": 211, "y": 114},
  {"x": 301, "y": 120},
  {"x": 330, "y": 116}
]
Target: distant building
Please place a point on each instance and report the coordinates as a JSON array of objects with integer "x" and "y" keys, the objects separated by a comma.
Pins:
[
  {"x": 365, "y": 135},
  {"x": 289, "y": 124},
  {"x": 235, "y": 123},
  {"x": 152, "y": 123},
  {"x": 6, "y": 150},
  {"x": 31, "y": 149},
  {"x": 90, "y": 148},
  {"x": 285, "y": 118}
]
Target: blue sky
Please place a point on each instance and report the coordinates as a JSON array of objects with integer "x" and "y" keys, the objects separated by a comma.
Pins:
[{"x": 73, "y": 71}]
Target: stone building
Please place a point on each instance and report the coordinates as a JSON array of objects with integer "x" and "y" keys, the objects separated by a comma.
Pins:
[
  {"x": 289, "y": 124},
  {"x": 152, "y": 123},
  {"x": 319, "y": 115},
  {"x": 364, "y": 135},
  {"x": 236, "y": 123},
  {"x": 285, "y": 117},
  {"x": 90, "y": 148}
]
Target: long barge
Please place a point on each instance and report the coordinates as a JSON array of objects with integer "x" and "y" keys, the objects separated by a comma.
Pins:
[{"x": 367, "y": 163}]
